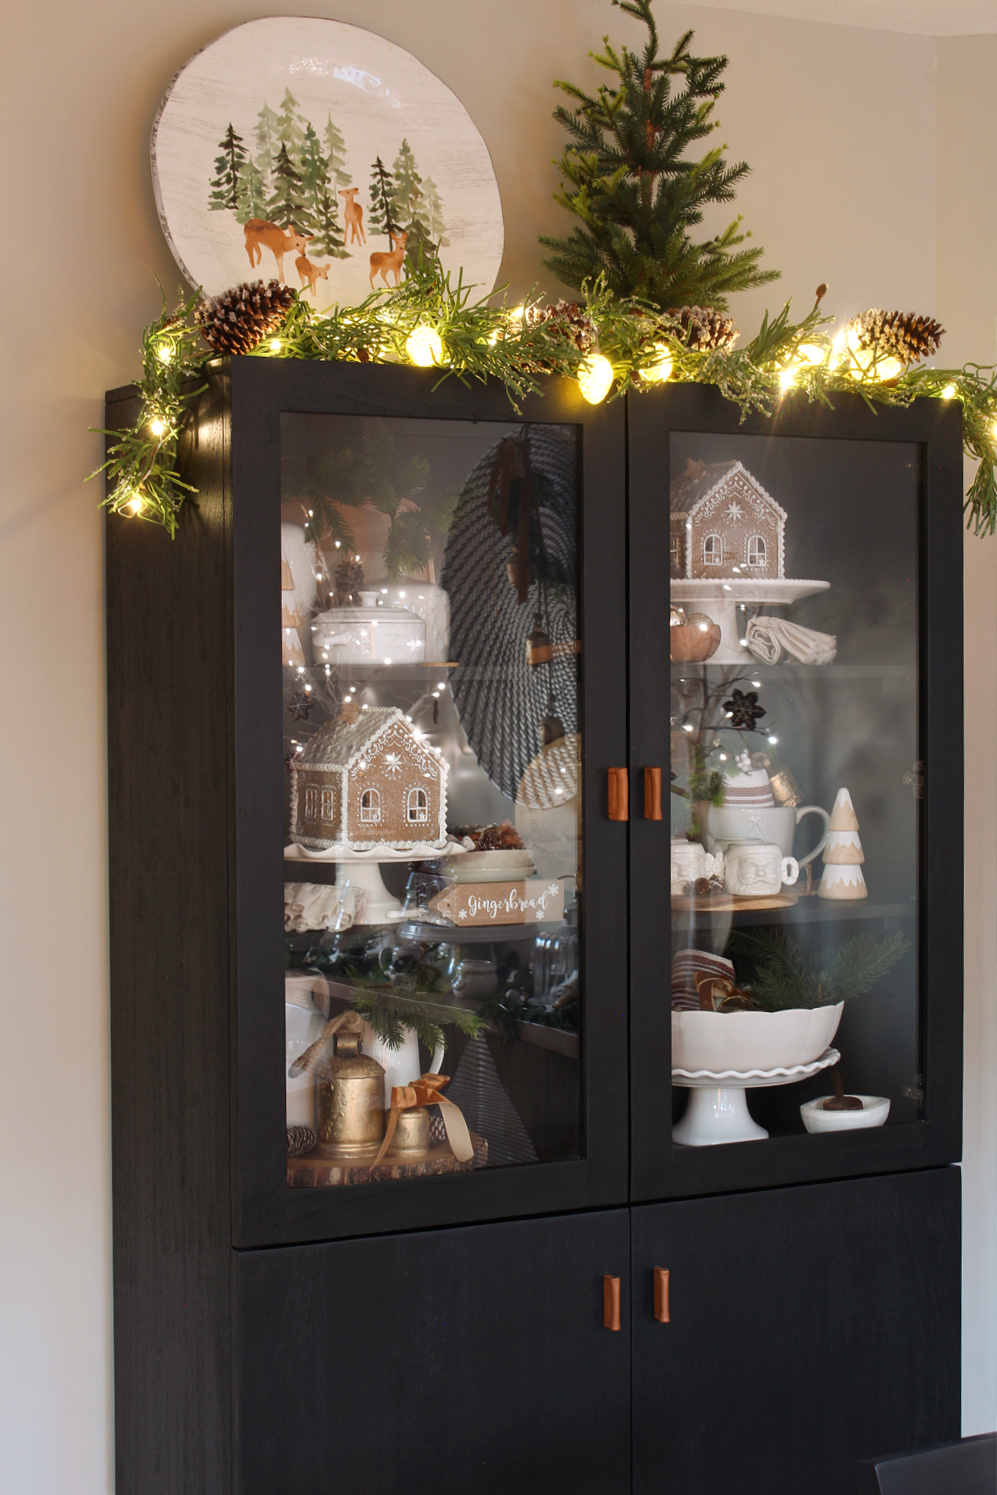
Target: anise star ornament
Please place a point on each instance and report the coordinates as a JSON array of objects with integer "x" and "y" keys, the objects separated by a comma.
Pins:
[
  {"x": 743, "y": 709},
  {"x": 299, "y": 704}
]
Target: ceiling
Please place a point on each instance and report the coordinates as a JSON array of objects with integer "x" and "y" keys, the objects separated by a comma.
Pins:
[{"x": 920, "y": 17}]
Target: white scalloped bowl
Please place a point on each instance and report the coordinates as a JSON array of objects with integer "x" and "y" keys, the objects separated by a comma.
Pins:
[{"x": 744, "y": 1041}]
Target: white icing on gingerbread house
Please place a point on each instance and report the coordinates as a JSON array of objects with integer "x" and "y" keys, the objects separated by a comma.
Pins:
[
  {"x": 370, "y": 782},
  {"x": 724, "y": 524}
]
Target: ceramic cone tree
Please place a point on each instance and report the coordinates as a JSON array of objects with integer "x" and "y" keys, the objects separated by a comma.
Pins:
[{"x": 843, "y": 854}]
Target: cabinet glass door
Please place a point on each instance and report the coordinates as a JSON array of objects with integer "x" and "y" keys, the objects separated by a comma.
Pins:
[
  {"x": 432, "y": 708},
  {"x": 794, "y": 743}
]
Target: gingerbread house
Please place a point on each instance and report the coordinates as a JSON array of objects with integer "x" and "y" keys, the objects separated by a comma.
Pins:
[
  {"x": 724, "y": 524},
  {"x": 369, "y": 780}
]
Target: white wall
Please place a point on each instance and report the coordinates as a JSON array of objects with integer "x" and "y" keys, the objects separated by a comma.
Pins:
[{"x": 843, "y": 191}]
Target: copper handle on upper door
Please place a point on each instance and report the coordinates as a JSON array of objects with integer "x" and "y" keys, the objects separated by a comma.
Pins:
[
  {"x": 610, "y": 1302},
  {"x": 619, "y": 794},
  {"x": 661, "y": 1309},
  {"x": 652, "y": 794}
]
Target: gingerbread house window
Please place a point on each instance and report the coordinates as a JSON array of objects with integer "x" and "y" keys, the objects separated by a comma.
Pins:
[
  {"x": 757, "y": 551},
  {"x": 370, "y": 806},
  {"x": 311, "y": 802},
  {"x": 676, "y": 551},
  {"x": 326, "y": 811},
  {"x": 417, "y": 805},
  {"x": 713, "y": 550}
]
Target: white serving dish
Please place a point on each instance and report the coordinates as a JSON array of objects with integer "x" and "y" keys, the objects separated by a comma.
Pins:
[
  {"x": 493, "y": 866},
  {"x": 369, "y": 634},
  {"x": 739, "y": 1042},
  {"x": 431, "y": 603},
  {"x": 875, "y": 1109}
]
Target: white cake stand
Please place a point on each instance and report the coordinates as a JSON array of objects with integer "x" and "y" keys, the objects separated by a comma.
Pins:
[
  {"x": 721, "y": 597},
  {"x": 718, "y": 1107},
  {"x": 360, "y": 871}
]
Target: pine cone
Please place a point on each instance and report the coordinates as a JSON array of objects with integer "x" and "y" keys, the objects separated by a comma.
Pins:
[
  {"x": 705, "y": 330},
  {"x": 565, "y": 319},
  {"x": 900, "y": 334},
  {"x": 348, "y": 580},
  {"x": 238, "y": 320}
]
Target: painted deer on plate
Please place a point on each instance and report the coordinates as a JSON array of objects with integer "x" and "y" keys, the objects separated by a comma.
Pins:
[
  {"x": 261, "y": 234},
  {"x": 309, "y": 273},
  {"x": 352, "y": 215},
  {"x": 385, "y": 260}
]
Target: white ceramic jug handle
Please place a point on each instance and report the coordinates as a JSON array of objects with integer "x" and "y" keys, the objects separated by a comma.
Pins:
[
  {"x": 790, "y": 871},
  {"x": 814, "y": 810},
  {"x": 439, "y": 1054}
]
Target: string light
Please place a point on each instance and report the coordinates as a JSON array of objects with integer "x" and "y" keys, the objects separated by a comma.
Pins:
[
  {"x": 595, "y": 378},
  {"x": 136, "y": 503},
  {"x": 948, "y": 391},
  {"x": 661, "y": 369},
  {"x": 157, "y": 426},
  {"x": 275, "y": 345},
  {"x": 787, "y": 379},
  {"x": 164, "y": 353},
  {"x": 425, "y": 347},
  {"x": 812, "y": 353}
]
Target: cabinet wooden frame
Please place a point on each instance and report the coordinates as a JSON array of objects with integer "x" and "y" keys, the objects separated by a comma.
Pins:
[
  {"x": 660, "y": 1169},
  {"x": 197, "y": 796}
]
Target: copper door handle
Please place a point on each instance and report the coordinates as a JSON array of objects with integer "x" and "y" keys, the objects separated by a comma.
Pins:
[
  {"x": 611, "y": 1302},
  {"x": 619, "y": 794},
  {"x": 652, "y": 794},
  {"x": 661, "y": 1311}
]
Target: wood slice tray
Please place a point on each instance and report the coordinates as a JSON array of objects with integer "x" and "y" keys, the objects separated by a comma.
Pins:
[
  {"x": 318, "y": 1172},
  {"x": 729, "y": 903}
]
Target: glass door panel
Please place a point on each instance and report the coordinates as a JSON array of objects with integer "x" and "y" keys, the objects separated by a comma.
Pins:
[
  {"x": 795, "y": 779},
  {"x": 430, "y": 642}
]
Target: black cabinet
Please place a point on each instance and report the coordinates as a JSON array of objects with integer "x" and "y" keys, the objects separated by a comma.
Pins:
[{"x": 365, "y": 1320}]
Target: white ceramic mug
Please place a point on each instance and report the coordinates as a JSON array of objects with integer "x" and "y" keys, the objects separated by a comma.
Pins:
[
  {"x": 758, "y": 869},
  {"x": 690, "y": 861},
  {"x": 776, "y": 824}
]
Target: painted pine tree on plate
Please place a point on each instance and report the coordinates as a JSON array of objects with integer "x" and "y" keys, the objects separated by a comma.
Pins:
[
  {"x": 432, "y": 213},
  {"x": 285, "y": 204},
  {"x": 228, "y": 169},
  {"x": 291, "y": 126},
  {"x": 382, "y": 191},
  {"x": 319, "y": 198},
  {"x": 267, "y": 143},
  {"x": 335, "y": 149},
  {"x": 408, "y": 212},
  {"x": 252, "y": 194},
  {"x": 638, "y": 195}
]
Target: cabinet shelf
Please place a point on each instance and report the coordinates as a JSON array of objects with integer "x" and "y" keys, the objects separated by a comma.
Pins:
[{"x": 804, "y": 911}]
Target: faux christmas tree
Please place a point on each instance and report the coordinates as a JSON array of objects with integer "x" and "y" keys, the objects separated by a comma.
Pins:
[
  {"x": 843, "y": 854},
  {"x": 639, "y": 196}
]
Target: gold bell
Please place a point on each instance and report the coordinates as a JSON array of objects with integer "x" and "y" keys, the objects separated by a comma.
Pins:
[{"x": 350, "y": 1098}]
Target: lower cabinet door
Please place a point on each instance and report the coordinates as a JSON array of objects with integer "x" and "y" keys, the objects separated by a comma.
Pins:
[
  {"x": 437, "y": 1363},
  {"x": 807, "y": 1328}
]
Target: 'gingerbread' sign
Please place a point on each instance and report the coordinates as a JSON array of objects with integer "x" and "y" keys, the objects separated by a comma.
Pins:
[{"x": 533, "y": 901}]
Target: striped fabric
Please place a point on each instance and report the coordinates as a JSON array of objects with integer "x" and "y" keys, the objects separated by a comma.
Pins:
[{"x": 684, "y": 966}]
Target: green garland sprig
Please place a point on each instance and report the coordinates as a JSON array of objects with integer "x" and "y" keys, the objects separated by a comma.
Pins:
[{"x": 430, "y": 320}]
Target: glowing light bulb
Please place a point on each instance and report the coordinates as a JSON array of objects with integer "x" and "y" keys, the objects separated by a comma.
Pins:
[
  {"x": 136, "y": 503},
  {"x": 787, "y": 379},
  {"x": 425, "y": 347},
  {"x": 157, "y": 426},
  {"x": 661, "y": 368},
  {"x": 837, "y": 348},
  {"x": 595, "y": 378},
  {"x": 948, "y": 391},
  {"x": 811, "y": 353},
  {"x": 164, "y": 353},
  {"x": 275, "y": 345},
  {"x": 517, "y": 314}
]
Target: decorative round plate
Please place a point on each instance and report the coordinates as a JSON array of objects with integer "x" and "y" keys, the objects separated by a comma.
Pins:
[{"x": 301, "y": 148}]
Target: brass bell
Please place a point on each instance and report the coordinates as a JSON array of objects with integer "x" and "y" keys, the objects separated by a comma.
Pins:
[{"x": 350, "y": 1099}]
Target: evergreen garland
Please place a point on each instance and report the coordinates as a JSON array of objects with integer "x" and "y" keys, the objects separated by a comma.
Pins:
[
  {"x": 785, "y": 975},
  {"x": 638, "y": 195},
  {"x": 484, "y": 340}
]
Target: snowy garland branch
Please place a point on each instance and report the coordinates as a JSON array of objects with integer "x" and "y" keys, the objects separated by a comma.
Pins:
[{"x": 610, "y": 345}]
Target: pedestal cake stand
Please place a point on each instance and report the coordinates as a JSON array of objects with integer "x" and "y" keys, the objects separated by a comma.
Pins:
[
  {"x": 721, "y": 598},
  {"x": 718, "y": 1107}
]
